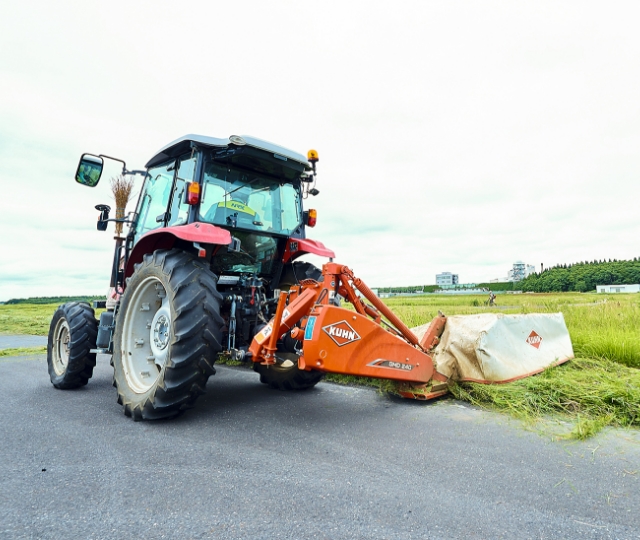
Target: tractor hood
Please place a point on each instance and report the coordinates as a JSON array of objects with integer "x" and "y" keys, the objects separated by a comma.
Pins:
[{"x": 182, "y": 145}]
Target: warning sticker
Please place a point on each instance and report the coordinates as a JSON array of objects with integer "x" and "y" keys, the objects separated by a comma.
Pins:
[{"x": 266, "y": 331}]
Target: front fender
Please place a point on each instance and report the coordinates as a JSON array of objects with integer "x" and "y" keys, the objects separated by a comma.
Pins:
[{"x": 165, "y": 238}]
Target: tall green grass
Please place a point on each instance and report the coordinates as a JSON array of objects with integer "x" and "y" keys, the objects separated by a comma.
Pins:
[{"x": 600, "y": 326}]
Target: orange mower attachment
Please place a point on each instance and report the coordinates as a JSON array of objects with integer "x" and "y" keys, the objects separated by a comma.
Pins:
[{"x": 332, "y": 339}]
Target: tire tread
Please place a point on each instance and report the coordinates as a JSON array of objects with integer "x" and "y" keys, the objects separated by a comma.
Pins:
[
  {"x": 83, "y": 332},
  {"x": 196, "y": 341}
]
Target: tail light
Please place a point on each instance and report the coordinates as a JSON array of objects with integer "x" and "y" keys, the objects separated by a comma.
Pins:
[
  {"x": 312, "y": 217},
  {"x": 193, "y": 193}
]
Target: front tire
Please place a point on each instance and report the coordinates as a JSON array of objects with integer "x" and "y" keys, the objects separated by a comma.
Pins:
[
  {"x": 72, "y": 335},
  {"x": 167, "y": 336}
]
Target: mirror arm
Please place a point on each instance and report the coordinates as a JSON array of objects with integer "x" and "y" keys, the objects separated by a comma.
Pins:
[
  {"x": 141, "y": 173},
  {"x": 118, "y": 220},
  {"x": 124, "y": 166}
]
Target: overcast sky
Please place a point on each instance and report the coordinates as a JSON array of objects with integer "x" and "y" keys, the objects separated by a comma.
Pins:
[{"x": 453, "y": 136}]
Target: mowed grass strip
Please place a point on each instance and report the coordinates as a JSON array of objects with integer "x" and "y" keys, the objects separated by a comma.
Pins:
[
  {"x": 30, "y": 319},
  {"x": 23, "y": 351}
]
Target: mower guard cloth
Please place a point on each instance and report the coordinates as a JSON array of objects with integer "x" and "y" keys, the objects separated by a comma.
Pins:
[{"x": 496, "y": 348}]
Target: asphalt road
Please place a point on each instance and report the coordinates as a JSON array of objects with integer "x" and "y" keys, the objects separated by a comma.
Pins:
[
  {"x": 11, "y": 342},
  {"x": 333, "y": 462}
]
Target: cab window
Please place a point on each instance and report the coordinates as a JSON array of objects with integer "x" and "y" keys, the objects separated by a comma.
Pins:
[
  {"x": 245, "y": 200},
  {"x": 179, "y": 211},
  {"x": 154, "y": 199}
]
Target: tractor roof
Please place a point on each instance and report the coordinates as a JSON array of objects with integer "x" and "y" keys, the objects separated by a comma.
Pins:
[{"x": 183, "y": 144}]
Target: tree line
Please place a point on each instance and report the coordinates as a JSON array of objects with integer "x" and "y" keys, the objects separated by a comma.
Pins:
[
  {"x": 582, "y": 276},
  {"x": 54, "y": 299},
  {"x": 577, "y": 277}
]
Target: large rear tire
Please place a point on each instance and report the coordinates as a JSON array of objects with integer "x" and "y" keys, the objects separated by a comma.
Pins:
[
  {"x": 72, "y": 334},
  {"x": 168, "y": 334},
  {"x": 285, "y": 374}
]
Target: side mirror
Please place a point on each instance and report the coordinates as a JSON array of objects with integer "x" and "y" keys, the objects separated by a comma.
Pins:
[
  {"x": 104, "y": 216},
  {"x": 89, "y": 170}
]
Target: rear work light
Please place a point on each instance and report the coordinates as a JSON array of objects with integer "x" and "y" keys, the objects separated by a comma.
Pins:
[
  {"x": 193, "y": 193},
  {"x": 312, "y": 217}
]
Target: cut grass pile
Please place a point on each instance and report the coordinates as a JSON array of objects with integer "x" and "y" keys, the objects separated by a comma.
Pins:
[{"x": 592, "y": 393}]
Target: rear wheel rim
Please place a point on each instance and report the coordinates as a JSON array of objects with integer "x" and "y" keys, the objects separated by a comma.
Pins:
[
  {"x": 146, "y": 339},
  {"x": 61, "y": 347}
]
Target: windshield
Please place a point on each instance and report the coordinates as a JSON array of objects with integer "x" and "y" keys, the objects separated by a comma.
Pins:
[{"x": 245, "y": 200}]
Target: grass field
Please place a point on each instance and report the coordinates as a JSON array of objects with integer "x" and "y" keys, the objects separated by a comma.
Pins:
[
  {"x": 32, "y": 319},
  {"x": 600, "y": 388}
]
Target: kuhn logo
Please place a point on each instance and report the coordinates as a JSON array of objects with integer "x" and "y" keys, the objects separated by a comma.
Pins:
[
  {"x": 534, "y": 339},
  {"x": 341, "y": 333}
]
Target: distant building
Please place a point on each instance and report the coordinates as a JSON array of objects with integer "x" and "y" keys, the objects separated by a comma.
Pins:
[
  {"x": 446, "y": 278},
  {"x": 617, "y": 288},
  {"x": 520, "y": 271}
]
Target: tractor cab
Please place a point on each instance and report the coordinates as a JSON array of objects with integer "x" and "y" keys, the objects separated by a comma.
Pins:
[
  {"x": 252, "y": 188},
  {"x": 249, "y": 187},
  {"x": 237, "y": 183}
]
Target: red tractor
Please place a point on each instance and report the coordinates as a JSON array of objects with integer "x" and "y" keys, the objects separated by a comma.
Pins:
[{"x": 208, "y": 267}]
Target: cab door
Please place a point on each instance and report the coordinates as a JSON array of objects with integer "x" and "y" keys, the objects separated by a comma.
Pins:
[{"x": 154, "y": 199}]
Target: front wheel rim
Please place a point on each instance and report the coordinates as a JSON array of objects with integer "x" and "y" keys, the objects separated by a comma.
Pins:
[
  {"x": 60, "y": 352},
  {"x": 146, "y": 335}
]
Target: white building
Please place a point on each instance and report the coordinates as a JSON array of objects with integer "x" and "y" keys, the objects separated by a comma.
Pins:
[
  {"x": 617, "y": 288},
  {"x": 446, "y": 278},
  {"x": 520, "y": 271}
]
